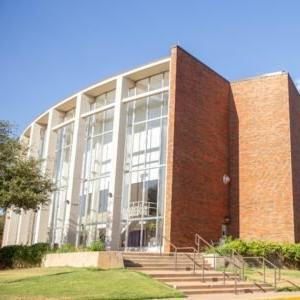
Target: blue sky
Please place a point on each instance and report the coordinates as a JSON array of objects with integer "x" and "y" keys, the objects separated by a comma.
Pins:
[{"x": 50, "y": 49}]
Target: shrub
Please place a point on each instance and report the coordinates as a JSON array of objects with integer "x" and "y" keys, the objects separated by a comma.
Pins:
[
  {"x": 66, "y": 248},
  {"x": 97, "y": 246},
  {"x": 18, "y": 256},
  {"x": 284, "y": 254}
]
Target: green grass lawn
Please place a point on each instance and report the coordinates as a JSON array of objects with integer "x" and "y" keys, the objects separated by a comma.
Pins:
[{"x": 80, "y": 283}]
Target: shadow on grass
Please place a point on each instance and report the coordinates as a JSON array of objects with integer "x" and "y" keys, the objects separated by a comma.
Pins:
[{"x": 38, "y": 276}]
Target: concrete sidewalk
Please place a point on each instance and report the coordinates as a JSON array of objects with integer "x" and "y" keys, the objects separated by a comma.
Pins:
[{"x": 257, "y": 296}]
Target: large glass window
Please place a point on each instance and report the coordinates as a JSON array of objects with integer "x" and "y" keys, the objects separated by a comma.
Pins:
[
  {"x": 96, "y": 177},
  {"x": 144, "y": 168},
  {"x": 69, "y": 115},
  {"x": 149, "y": 84},
  {"x": 104, "y": 99},
  {"x": 61, "y": 178}
]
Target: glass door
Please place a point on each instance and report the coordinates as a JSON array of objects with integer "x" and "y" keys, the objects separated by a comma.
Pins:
[{"x": 142, "y": 218}]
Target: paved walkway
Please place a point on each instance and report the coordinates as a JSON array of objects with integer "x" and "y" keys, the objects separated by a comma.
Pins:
[{"x": 257, "y": 296}]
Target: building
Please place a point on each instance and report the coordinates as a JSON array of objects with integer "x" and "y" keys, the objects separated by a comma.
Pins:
[{"x": 165, "y": 151}]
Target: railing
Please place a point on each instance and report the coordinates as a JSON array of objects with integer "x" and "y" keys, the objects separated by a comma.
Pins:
[
  {"x": 235, "y": 261},
  {"x": 178, "y": 249},
  {"x": 199, "y": 239},
  {"x": 265, "y": 263},
  {"x": 239, "y": 261}
]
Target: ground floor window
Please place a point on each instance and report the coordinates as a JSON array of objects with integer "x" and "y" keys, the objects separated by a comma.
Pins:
[{"x": 142, "y": 210}]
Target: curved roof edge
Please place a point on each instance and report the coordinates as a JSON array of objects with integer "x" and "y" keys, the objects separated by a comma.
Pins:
[{"x": 96, "y": 84}]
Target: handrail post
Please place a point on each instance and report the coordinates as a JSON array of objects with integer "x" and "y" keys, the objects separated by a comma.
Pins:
[
  {"x": 215, "y": 262},
  {"x": 243, "y": 271},
  {"x": 224, "y": 270},
  {"x": 175, "y": 258},
  {"x": 235, "y": 280},
  {"x": 275, "y": 278},
  {"x": 194, "y": 262},
  {"x": 203, "y": 263},
  {"x": 264, "y": 267}
]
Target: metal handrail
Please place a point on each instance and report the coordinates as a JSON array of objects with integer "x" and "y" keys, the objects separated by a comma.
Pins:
[
  {"x": 265, "y": 261},
  {"x": 177, "y": 249},
  {"x": 199, "y": 239}
]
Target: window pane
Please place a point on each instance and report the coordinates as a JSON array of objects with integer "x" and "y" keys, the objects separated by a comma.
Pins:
[
  {"x": 142, "y": 86},
  {"x": 156, "y": 82},
  {"x": 110, "y": 97},
  {"x": 140, "y": 110},
  {"x": 131, "y": 92},
  {"x": 100, "y": 100},
  {"x": 166, "y": 79},
  {"x": 109, "y": 115},
  {"x": 165, "y": 104},
  {"x": 154, "y": 106}
]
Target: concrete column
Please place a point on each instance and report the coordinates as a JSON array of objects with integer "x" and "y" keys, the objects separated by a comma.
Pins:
[
  {"x": 25, "y": 219},
  {"x": 10, "y": 228},
  {"x": 116, "y": 179},
  {"x": 43, "y": 218},
  {"x": 73, "y": 193}
]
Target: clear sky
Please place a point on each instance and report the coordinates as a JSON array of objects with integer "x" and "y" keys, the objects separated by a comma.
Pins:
[{"x": 51, "y": 49}]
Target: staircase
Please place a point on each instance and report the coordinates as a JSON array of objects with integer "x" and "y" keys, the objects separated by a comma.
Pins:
[{"x": 184, "y": 278}]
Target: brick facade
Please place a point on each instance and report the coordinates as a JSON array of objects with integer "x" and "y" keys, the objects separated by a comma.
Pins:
[
  {"x": 294, "y": 102},
  {"x": 196, "y": 200},
  {"x": 261, "y": 198},
  {"x": 249, "y": 129}
]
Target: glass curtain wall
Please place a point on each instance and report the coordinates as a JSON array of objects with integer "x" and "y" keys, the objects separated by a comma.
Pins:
[
  {"x": 41, "y": 154},
  {"x": 61, "y": 177},
  {"x": 96, "y": 173},
  {"x": 144, "y": 169}
]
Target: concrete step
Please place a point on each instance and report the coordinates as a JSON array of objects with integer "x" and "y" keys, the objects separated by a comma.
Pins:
[
  {"x": 157, "y": 255},
  {"x": 151, "y": 258},
  {"x": 170, "y": 258},
  {"x": 164, "y": 264},
  {"x": 228, "y": 284},
  {"x": 193, "y": 279},
  {"x": 228, "y": 290},
  {"x": 160, "y": 268},
  {"x": 182, "y": 275}
]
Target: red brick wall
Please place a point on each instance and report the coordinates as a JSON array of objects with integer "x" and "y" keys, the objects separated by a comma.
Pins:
[
  {"x": 260, "y": 147},
  {"x": 196, "y": 198},
  {"x": 294, "y": 101}
]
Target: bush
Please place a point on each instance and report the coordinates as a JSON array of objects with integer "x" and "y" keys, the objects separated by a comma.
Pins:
[
  {"x": 284, "y": 254},
  {"x": 18, "y": 256},
  {"x": 97, "y": 246},
  {"x": 66, "y": 248}
]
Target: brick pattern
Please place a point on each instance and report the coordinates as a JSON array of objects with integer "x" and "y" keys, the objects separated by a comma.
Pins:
[
  {"x": 196, "y": 198},
  {"x": 294, "y": 101},
  {"x": 260, "y": 143}
]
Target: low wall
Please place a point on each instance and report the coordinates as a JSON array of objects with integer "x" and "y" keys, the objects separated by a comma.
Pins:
[{"x": 96, "y": 259}]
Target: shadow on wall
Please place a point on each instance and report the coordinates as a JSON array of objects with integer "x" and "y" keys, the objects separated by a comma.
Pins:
[
  {"x": 234, "y": 168},
  {"x": 294, "y": 110}
]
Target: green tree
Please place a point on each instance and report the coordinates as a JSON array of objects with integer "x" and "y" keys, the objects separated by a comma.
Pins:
[
  {"x": 22, "y": 183},
  {"x": 1, "y": 227}
]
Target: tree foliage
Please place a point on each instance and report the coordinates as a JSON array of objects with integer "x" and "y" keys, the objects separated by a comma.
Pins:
[{"x": 22, "y": 183}]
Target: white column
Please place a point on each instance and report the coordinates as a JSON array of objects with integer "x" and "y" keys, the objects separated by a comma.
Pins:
[
  {"x": 26, "y": 217},
  {"x": 73, "y": 193},
  {"x": 115, "y": 195},
  {"x": 43, "y": 219}
]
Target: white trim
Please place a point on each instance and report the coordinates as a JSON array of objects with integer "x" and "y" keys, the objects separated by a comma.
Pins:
[
  {"x": 99, "y": 84},
  {"x": 97, "y": 110},
  {"x": 144, "y": 95},
  {"x": 63, "y": 124}
]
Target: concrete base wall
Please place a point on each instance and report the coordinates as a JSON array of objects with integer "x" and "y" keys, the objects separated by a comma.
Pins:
[{"x": 102, "y": 260}]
